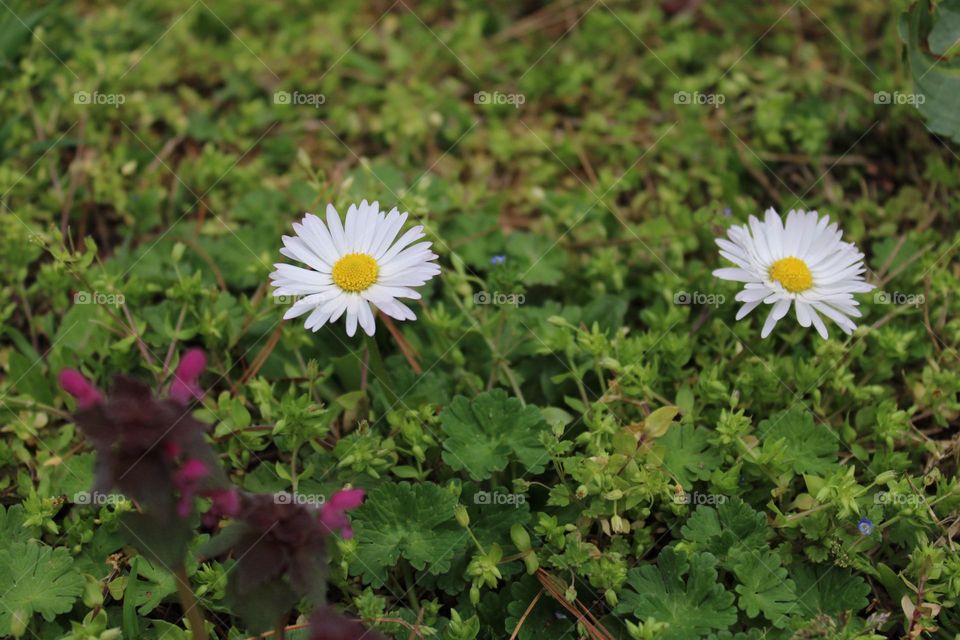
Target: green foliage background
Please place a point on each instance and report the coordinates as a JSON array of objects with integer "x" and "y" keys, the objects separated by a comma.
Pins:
[{"x": 128, "y": 228}]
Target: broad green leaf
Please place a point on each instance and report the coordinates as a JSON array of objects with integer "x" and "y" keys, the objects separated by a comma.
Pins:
[
  {"x": 153, "y": 585},
  {"x": 414, "y": 522},
  {"x": 794, "y": 441},
  {"x": 485, "y": 433},
  {"x": 683, "y": 592},
  {"x": 828, "y": 589},
  {"x": 723, "y": 529},
  {"x": 932, "y": 37},
  {"x": 765, "y": 587},
  {"x": 11, "y": 525},
  {"x": 659, "y": 421},
  {"x": 36, "y": 579},
  {"x": 686, "y": 452}
]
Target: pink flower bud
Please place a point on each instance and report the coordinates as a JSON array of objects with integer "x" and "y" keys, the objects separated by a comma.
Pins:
[
  {"x": 347, "y": 499},
  {"x": 192, "y": 364},
  {"x": 226, "y": 501},
  {"x": 73, "y": 382},
  {"x": 184, "y": 387},
  {"x": 172, "y": 449},
  {"x": 186, "y": 478},
  {"x": 333, "y": 514},
  {"x": 192, "y": 471},
  {"x": 184, "y": 505}
]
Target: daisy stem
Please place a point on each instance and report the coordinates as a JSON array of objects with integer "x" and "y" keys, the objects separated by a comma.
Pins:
[{"x": 379, "y": 371}]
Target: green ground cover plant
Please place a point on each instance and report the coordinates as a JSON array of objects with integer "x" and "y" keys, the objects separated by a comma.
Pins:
[{"x": 576, "y": 436}]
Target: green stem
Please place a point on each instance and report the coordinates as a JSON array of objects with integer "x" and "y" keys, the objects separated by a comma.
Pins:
[
  {"x": 411, "y": 594},
  {"x": 476, "y": 541},
  {"x": 294, "y": 480},
  {"x": 191, "y": 609}
]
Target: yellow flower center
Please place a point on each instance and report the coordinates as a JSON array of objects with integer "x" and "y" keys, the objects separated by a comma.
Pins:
[
  {"x": 355, "y": 272},
  {"x": 792, "y": 273}
]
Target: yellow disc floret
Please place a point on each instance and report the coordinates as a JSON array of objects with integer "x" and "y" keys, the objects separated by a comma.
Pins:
[
  {"x": 792, "y": 273},
  {"x": 355, "y": 272}
]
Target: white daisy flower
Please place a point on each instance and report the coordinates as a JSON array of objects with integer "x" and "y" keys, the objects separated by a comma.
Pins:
[
  {"x": 803, "y": 262},
  {"x": 353, "y": 268}
]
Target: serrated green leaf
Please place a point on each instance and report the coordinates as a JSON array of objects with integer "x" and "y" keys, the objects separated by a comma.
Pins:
[
  {"x": 414, "y": 522},
  {"x": 765, "y": 587},
  {"x": 153, "y": 585},
  {"x": 726, "y": 528},
  {"x": 931, "y": 39},
  {"x": 686, "y": 453},
  {"x": 37, "y": 579},
  {"x": 828, "y": 589},
  {"x": 11, "y": 525},
  {"x": 485, "y": 433},
  {"x": 798, "y": 443},
  {"x": 681, "y": 591}
]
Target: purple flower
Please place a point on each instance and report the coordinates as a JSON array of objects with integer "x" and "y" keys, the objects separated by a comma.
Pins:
[
  {"x": 865, "y": 526},
  {"x": 495, "y": 260}
]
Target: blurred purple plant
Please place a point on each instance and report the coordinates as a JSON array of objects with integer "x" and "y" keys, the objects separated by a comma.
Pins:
[
  {"x": 280, "y": 552},
  {"x": 327, "y": 624},
  {"x": 155, "y": 452},
  {"x": 151, "y": 449}
]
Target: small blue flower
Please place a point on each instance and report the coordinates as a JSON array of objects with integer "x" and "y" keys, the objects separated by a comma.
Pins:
[
  {"x": 495, "y": 260},
  {"x": 865, "y": 526},
  {"x": 727, "y": 212}
]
